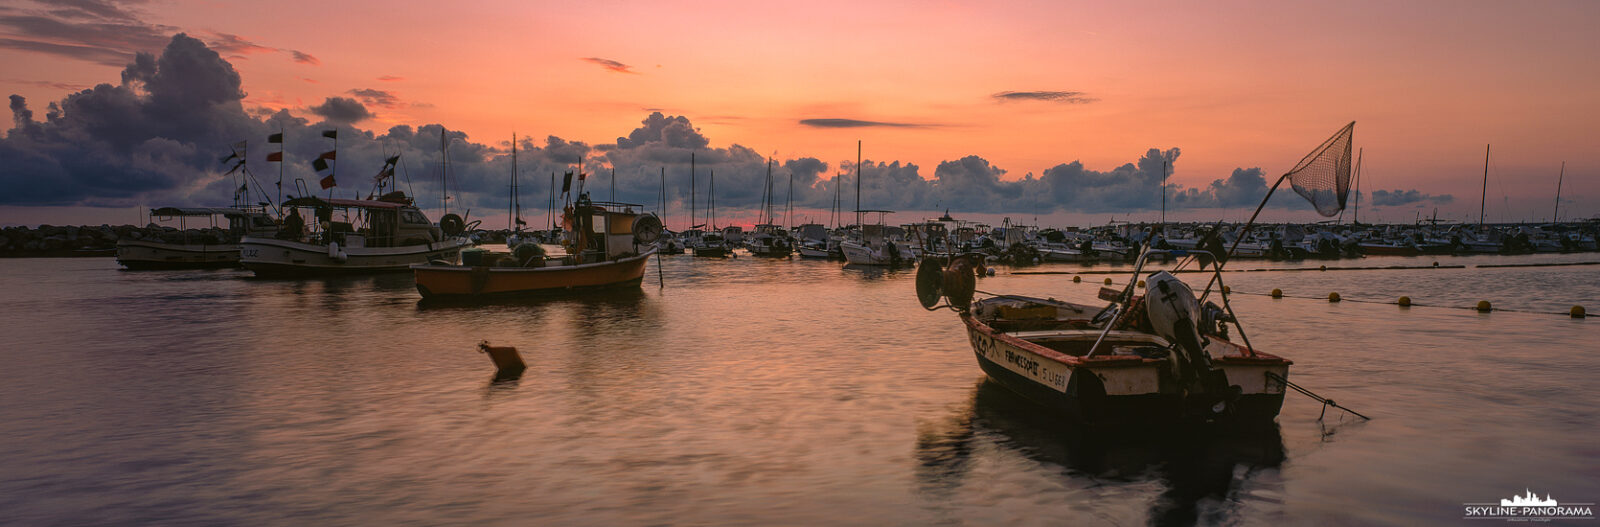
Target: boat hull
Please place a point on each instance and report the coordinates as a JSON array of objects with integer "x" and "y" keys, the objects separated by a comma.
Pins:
[
  {"x": 439, "y": 281},
  {"x": 274, "y": 257},
  {"x": 1117, "y": 389},
  {"x": 142, "y": 255}
]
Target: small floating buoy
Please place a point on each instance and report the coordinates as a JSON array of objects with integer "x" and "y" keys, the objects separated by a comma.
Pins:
[
  {"x": 1108, "y": 281},
  {"x": 1333, "y": 297},
  {"x": 1435, "y": 264},
  {"x": 1277, "y": 293},
  {"x": 1577, "y": 312},
  {"x": 1226, "y": 290},
  {"x": 1077, "y": 279},
  {"x": 1484, "y": 307},
  {"x": 991, "y": 271},
  {"x": 1322, "y": 268},
  {"x": 1141, "y": 283},
  {"x": 506, "y": 359},
  {"x": 1405, "y": 301}
]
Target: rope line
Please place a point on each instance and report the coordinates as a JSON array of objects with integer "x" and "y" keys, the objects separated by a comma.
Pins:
[{"x": 1326, "y": 402}]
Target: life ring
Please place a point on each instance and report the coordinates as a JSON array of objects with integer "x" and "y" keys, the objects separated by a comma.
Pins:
[{"x": 452, "y": 224}]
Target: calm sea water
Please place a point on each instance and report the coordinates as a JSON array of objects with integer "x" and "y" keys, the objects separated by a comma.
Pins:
[{"x": 756, "y": 392}]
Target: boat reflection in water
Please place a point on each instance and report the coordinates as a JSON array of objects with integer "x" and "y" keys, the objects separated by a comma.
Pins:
[{"x": 1200, "y": 469}]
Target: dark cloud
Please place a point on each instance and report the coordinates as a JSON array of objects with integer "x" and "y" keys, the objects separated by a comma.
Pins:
[
  {"x": 342, "y": 110},
  {"x": 1067, "y": 97},
  {"x": 230, "y": 43},
  {"x": 611, "y": 65},
  {"x": 306, "y": 58},
  {"x": 1397, "y": 197},
  {"x": 852, "y": 123},
  {"x": 379, "y": 98},
  {"x": 102, "y": 32}
]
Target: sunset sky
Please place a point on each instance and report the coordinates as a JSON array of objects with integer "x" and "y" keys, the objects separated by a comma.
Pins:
[{"x": 996, "y": 92}]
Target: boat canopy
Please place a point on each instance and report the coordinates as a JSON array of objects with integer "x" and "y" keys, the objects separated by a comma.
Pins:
[
  {"x": 340, "y": 203},
  {"x": 198, "y": 211}
]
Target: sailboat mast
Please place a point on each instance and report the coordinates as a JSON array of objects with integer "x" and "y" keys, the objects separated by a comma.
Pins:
[
  {"x": 712, "y": 189},
  {"x": 858, "y": 183},
  {"x": 788, "y": 202},
  {"x": 1355, "y": 216},
  {"x": 1163, "y": 190},
  {"x": 514, "y": 209},
  {"x": 550, "y": 213},
  {"x": 663, "y": 195},
  {"x": 1485, "y": 196},
  {"x": 1556, "y": 217},
  {"x": 691, "y": 190}
]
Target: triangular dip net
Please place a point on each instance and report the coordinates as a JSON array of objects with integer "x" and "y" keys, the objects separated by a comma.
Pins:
[{"x": 1323, "y": 176}]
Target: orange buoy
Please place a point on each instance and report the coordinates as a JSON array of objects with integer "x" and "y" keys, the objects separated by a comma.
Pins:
[
  {"x": 1108, "y": 281},
  {"x": 1333, "y": 297},
  {"x": 1484, "y": 307},
  {"x": 506, "y": 359},
  {"x": 1405, "y": 301},
  {"x": 1577, "y": 312},
  {"x": 1077, "y": 279},
  {"x": 1277, "y": 293}
]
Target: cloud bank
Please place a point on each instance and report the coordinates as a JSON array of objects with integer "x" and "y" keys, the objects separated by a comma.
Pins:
[{"x": 155, "y": 137}]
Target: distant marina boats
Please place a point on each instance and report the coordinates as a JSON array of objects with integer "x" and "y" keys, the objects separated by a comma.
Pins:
[
  {"x": 388, "y": 234},
  {"x": 213, "y": 248},
  {"x": 610, "y": 246}
]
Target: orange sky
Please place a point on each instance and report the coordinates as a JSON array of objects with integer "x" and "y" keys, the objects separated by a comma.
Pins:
[{"x": 1233, "y": 84}]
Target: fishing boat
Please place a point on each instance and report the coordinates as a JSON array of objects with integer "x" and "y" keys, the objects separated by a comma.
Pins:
[
  {"x": 1167, "y": 355},
  {"x": 210, "y": 248},
  {"x": 387, "y": 234},
  {"x": 1158, "y": 357},
  {"x": 610, "y": 245}
]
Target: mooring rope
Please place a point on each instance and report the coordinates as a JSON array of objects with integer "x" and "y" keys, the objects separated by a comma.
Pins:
[{"x": 1326, "y": 402}]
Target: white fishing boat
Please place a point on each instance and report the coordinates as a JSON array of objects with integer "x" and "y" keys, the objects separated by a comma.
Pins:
[
  {"x": 210, "y": 247},
  {"x": 388, "y": 234},
  {"x": 875, "y": 246}
]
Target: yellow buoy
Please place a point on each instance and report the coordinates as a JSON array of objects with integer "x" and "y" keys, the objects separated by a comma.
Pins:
[
  {"x": 1405, "y": 301},
  {"x": 1226, "y": 290},
  {"x": 1333, "y": 297},
  {"x": 1322, "y": 268},
  {"x": 1577, "y": 312},
  {"x": 1077, "y": 279},
  {"x": 1141, "y": 283},
  {"x": 1277, "y": 293},
  {"x": 1108, "y": 281},
  {"x": 1483, "y": 306}
]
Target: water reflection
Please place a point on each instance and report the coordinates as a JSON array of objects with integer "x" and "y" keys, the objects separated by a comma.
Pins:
[{"x": 1201, "y": 469}]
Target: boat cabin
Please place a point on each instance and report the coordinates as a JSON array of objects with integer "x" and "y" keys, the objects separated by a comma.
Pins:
[
  {"x": 390, "y": 221},
  {"x": 600, "y": 230},
  {"x": 242, "y": 221}
]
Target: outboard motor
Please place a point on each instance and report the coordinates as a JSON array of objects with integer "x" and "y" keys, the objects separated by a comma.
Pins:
[{"x": 1176, "y": 316}]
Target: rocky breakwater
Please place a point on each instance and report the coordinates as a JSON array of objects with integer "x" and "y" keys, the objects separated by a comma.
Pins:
[{"x": 58, "y": 241}]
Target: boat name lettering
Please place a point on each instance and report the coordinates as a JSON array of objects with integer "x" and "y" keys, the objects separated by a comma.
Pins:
[{"x": 250, "y": 253}]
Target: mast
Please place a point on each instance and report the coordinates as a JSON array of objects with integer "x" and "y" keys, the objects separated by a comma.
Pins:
[
  {"x": 788, "y": 202},
  {"x": 613, "y": 184},
  {"x": 1485, "y": 196},
  {"x": 663, "y": 196},
  {"x": 1556, "y": 217},
  {"x": 1163, "y": 190},
  {"x": 550, "y": 212},
  {"x": 691, "y": 191},
  {"x": 712, "y": 190},
  {"x": 516, "y": 208},
  {"x": 1355, "y": 215},
  {"x": 858, "y": 183}
]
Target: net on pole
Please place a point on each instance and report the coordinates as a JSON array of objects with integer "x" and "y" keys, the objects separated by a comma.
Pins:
[{"x": 1323, "y": 176}]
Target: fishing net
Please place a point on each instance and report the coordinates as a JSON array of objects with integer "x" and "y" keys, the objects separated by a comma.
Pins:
[{"x": 1323, "y": 176}]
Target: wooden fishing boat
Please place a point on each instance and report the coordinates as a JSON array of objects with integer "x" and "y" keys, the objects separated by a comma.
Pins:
[
  {"x": 215, "y": 249},
  {"x": 1159, "y": 361},
  {"x": 610, "y": 245}
]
